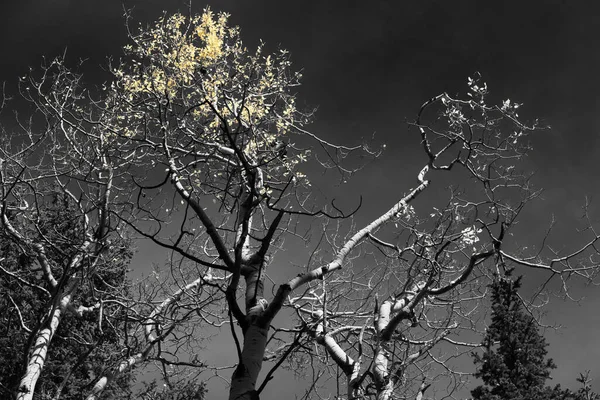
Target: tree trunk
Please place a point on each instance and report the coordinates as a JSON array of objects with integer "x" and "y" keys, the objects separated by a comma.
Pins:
[
  {"x": 243, "y": 382},
  {"x": 103, "y": 382},
  {"x": 37, "y": 358}
]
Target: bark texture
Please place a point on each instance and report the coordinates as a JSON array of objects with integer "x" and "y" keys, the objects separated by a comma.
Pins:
[
  {"x": 243, "y": 382},
  {"x": 37, "y": 357}
]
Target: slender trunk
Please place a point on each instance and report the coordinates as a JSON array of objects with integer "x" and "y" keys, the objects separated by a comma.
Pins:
[
  {"x": 110, "y": 376},
  {"x": 243, "y": 382},
  {"x": 37, "y": 358}
]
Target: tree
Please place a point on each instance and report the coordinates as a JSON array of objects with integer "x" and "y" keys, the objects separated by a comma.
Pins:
[
  {"x": 83, "y": 344},
  {"x": 209, "y": 136},
  {"x": 585, "y": 392},
  {"x": 514, "y": 364},
  {"x": 71, "y": 314},
  {"x": 63, "y": 264}
]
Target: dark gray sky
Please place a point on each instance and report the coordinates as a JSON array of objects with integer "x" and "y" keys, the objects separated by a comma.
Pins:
[{"x": 369, "y": 66}]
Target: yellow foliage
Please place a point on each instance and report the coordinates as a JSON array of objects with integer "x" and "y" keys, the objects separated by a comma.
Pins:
[
  {"x": 200, "y": 72},
  {"x": 212, "y": 33},
  {"x": 174, "y": 54}
]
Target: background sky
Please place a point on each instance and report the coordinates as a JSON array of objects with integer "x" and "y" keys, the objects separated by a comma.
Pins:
[{"x": 369, "y": 66}]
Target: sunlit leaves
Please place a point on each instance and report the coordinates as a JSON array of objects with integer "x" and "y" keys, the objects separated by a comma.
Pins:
[
  {"x": 193, "y": 80},
  {"x": 212, "y": 33},
  {"x": 470, "y": 235}
]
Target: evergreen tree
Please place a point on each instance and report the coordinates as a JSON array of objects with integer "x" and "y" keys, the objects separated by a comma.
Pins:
[{"x": 513, "y": 365}]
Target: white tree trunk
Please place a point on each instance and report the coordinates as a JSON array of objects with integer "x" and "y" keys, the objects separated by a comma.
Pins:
[
  {"x": 37, "y": 358},
  {"x": 243, "y": 382},
  {"x": 123, "y": 366}
]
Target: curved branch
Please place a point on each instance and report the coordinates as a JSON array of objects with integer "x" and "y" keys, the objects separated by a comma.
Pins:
[{"x": 338, "y": 261}]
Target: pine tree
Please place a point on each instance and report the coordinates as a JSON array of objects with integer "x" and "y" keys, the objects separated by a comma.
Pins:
[{"x": 513, "y": 365}]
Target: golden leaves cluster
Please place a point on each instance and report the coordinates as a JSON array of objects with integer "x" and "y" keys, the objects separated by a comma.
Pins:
[
  {"x": 168, "y": 55},
  {"x": 195, "y": 72}
]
